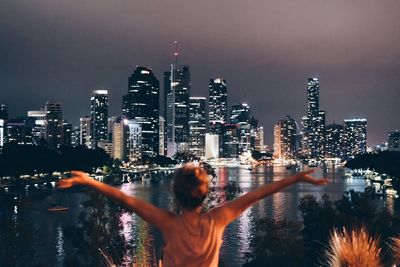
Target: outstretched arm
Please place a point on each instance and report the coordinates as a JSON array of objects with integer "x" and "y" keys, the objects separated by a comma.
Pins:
[
  {"x": 228, "y": 212},
  {"x": 155, "y": 216}
]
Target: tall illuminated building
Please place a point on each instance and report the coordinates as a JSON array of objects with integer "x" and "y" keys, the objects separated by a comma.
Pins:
[
  {"x": 313, "y": 123},
  {"x": 240, "y": 115},
  {"x": 127, "y": 140},
  {"x": 197, "y": 125},
  {"x": 99, "y": 116},
  {"x": 38, "y": 118},
  {"x": 231, "y": 137},
  {"x": 177, "y": 102},
  {"x": 334, "y": 137},
  {"x": 18, "y": 131},
  {"x": 54, "y": 124},
  {"x": 67, "y": 133},
  {"x": 355, "y": 137},
  {"x": 218, "y": 105},
  {"x": 85, "y": 132},
  {"x": 142, "y": 105},
  {"x": 285, "y": 134},
  {"x": 162, "y": 141}
]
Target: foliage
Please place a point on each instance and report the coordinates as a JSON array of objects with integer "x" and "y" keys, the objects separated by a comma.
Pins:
[
  {"x": 99, "y": 229},
  {"x": 26, "y": 159},
  {"x": 354, "y": 211},
  {"x": 276, "y": 243}
]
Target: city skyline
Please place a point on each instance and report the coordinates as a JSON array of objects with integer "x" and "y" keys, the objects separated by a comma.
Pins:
[{"x": 62, "y": 52}]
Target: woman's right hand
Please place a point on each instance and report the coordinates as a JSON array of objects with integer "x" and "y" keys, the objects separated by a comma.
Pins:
[
  {"x": 78, "y": 178},
  {"x": 306, "y": 177}
]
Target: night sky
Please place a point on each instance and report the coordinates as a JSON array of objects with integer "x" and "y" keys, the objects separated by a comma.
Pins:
[{"x": 62, "y": 50}]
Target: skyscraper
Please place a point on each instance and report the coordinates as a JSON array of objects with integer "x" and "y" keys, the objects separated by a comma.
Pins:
[
  {"x": 240, "y": 115},
  {"x": 231, "y": 137},
  {"x": 54, "y": 121},
  {"x": 314, "y": 122},
  {"x": 197, "y": 125},
  {"x": 218, "y": 105},
  {"x": 178, "y": 110},
  {"x": 38, "y": 118},
  {"x": 355, "y": 137},
  {"x": 85, "y": 132},
  {"x": 67, "y": 133},
  {"x": 99, "y": 116},
  {"x": 334, "y": 146},
  {"x": 285, "y": 134},
  {"x": 142, "y": 104}
]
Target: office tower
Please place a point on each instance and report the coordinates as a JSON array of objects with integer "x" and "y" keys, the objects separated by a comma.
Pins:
[
  {"x": 161, "y": 131},
  {"x": 355, "y": 137},
  {"x": 231, "y": 137},
  {"x": 218, "y": 105},
  {"x": 38, "y": 124},
  {"x": 142, "y": 104},
  {"x": 314, "y": 122},
  {"x": 99, "y": 116},
  {"x": 67, "y": 133},
  {"x": 197, "y": 125},
  {"x": 110, "y": 123},
  {"x": 127, "y": 140},
  {"x": 178, "y": 110},
  {"x": 285, "y": 134},
  {"x": 135, "y": 141},
  {"x": 18, "y": 132},
  {"x": 76, "y": 136},
  {"x": 54, "y": 122},
  {"x": 257, "y": 138},
  {"x": 394, "y": 141},
  {"x": 120, "y": 139},
  {"x": 85, "y": 132},
  {"x": 240, "y": 114},
  {"x": 334, "y": 146},
  {"x": 212, "y": 146}
]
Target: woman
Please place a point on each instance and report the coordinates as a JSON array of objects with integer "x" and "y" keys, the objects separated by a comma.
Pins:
[{"x": 191, "y": 238}]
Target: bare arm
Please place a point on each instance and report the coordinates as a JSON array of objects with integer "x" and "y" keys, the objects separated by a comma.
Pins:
[
  {"x": 228, "y": 212},
  {"x": 155, "y": 216}
]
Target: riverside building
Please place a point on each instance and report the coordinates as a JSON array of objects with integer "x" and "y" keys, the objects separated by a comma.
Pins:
[
  {"x": 218, "y": 105},
  {"x": 99, "y": 117},
  {"x": 142, "y": 105},
  {"x": 197, "y": 126},
  {"x": 355, "y": 137}
]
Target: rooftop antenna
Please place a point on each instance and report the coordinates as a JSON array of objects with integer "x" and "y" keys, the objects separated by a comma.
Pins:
[{"x": 176, "y": 53}]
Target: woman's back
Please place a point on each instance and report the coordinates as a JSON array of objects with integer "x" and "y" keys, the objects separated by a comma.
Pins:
[{"x": 193, "y": 244}]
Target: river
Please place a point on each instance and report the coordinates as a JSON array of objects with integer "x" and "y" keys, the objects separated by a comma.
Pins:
[{"x": 32, "y": 236}]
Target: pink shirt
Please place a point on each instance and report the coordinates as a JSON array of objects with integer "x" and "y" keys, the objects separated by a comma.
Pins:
[{"x": 193, "y": 246}]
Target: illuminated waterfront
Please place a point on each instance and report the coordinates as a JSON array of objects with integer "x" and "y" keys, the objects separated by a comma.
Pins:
[{"x": 36, "y": 236}]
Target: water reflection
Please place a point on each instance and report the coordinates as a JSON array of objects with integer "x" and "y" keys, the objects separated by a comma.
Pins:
[{"x": 33, "y": 235}]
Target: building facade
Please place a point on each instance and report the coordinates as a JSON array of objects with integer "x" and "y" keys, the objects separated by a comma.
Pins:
[
  {"x": 218, "y": 105},
  {"x": 54, "y": 124},
  {"x": 142, "y": 105},
  {"x": 99, "y": 117},
  {"x": 355, "y": 137},
  {"x": 197, "y": 125}
]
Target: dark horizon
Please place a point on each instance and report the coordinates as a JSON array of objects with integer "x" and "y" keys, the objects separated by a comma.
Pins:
[{"x": 265, "y": 50}]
